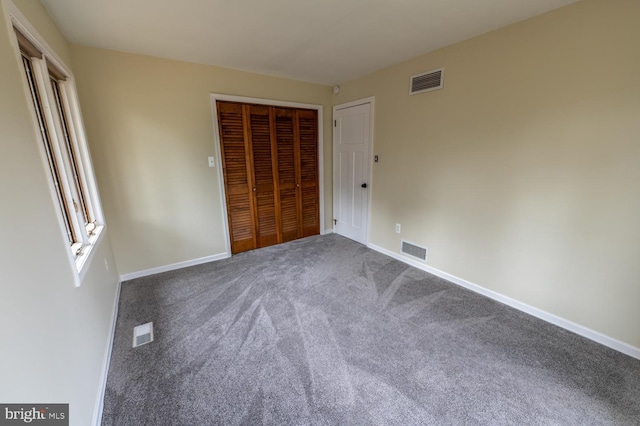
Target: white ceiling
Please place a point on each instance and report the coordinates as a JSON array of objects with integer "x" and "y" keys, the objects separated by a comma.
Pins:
[{"x": 322, "y": 41}]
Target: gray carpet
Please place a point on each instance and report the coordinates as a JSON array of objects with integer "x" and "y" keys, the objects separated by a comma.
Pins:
[{"x": 323, "y": 331}]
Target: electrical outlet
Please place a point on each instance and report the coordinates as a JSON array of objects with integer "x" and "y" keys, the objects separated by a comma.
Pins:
[
  {"x": 398, "y": 228},
  {"x": 212, "y": 162}
]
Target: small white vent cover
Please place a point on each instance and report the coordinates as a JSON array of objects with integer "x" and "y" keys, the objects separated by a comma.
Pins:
[
  {"x": 142, "y": 334},
  {"x": 426, "y": 82},
  {"x": 414, "y": 250}
]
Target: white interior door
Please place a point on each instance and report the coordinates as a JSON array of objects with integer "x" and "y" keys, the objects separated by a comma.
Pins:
[{"x": 351, "y": 164}]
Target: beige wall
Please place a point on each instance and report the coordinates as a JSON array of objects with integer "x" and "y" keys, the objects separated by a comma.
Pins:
[
  {"x": 54, "y": 335},
  {"x": 150, "y": 127},
  {"x": 523, "y": 174}
]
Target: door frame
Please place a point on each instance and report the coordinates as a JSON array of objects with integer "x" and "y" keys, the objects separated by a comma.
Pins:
[
  {"x": 371, "y": 101},
  {"x": 218, "y": 151}
]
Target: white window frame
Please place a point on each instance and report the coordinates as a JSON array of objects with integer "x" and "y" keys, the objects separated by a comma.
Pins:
[{"x": 81, "y": 252}]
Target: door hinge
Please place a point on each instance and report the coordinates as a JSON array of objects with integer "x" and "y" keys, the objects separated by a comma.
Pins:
[
  {"x": 335, "y": 123},
  {"x": 335, "y": 221}
]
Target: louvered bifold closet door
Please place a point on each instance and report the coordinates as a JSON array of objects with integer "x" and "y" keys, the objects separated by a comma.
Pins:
[
  {"x": 288, "y": 173},
  {"x": 270, "y": 166},
  {"x": 265, "y": 172},
  {"x": 309, "y": 191},
  {"x": 236, "y": 162}
]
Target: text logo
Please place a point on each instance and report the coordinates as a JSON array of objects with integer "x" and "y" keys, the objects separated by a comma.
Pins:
[{"x": 34, "y": 414}]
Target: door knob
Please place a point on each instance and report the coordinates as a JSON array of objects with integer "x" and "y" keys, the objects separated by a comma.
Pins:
[{"x": 364, "y": 185}]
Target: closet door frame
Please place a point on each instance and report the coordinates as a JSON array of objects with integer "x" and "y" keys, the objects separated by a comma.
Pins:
[{"x": 218, "y": 151}]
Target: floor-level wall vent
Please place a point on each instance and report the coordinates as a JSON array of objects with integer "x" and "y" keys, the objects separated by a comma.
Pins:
[
  {"x": 427, "y": 81},
  {"x": 142, "y": 334},
  {"x": 414, "y": 250}
]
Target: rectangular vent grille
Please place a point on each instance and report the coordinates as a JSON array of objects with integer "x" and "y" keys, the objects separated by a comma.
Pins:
[
  {"x": 414, "y": 250},
  {"x": 426, "y": 82},
  {"x": 142, "y": 334}
]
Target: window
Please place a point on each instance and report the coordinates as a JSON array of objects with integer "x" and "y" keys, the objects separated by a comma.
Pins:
[
  {"x": 58, "y": 120},
  {"x": 78, "y": 182}
]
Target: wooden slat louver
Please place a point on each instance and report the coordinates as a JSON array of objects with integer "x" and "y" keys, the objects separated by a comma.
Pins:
[
  {"x": 307, "y": 122},
  {"x": 287, "y": 170},
  {"x": 235, "y": 162},
  {"x": 263, "y": 170}
]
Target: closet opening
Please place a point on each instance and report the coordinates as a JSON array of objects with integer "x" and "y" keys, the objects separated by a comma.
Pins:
[{"x": 271, "y": 168}]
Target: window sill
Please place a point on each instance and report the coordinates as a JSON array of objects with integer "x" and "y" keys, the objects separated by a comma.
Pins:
[{"x": 83, "y": 260}]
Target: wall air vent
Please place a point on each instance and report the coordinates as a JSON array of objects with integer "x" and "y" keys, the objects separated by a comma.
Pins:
[
  {"x": 414, "y": 250},
  {"x": 427, "y": 81},
  {"x": 142, "y": 334}
]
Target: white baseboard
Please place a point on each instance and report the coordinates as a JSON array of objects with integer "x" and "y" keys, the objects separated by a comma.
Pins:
[
  {"x": 327, "y": 231},
  {"x": 173, "y": 266},
  {"x": 615, "y": 344},
  {"x": 97, "y": 419}
]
